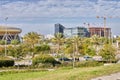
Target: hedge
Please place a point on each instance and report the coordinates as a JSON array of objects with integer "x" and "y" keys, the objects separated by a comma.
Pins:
[
  {"x": 6, "y": 63},
  {"x": 44, "y": 59}
]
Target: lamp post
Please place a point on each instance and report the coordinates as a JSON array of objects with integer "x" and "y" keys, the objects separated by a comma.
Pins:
[
  {"x": 6, "y": 37},
  {"x": 73, "y": 55}
]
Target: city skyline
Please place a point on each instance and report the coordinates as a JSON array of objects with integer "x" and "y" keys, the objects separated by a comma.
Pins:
[{"x": 41, "y": 15}]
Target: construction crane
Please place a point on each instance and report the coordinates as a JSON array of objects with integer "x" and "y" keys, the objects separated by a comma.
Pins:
[
  {"x": 104, "y": 21},
  {"x": 88, "y": 25},
  {"x": 104, "y": 18}
]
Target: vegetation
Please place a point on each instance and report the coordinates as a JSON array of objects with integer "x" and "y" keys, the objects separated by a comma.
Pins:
[
  {"x": 47, "y": 51},
  {"x": 44, "y": 59},
  {"x": 2, "y": 42},
  {"x": 15, "y": 42},
  {"x": 6, "y": 62},
  {"x": 31, "y": 39},
  {"x": 59, "y": 40},
  {"x": 63, "y": 73},
  {"x": 108, "y": 52}
]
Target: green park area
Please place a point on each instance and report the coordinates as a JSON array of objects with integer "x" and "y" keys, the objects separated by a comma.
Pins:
[
  {"x": 58, "y": 58},
  {"x": 65, "y": 73}
]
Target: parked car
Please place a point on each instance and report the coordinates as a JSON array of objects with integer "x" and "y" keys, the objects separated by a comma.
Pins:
[
  {"x": 88, "y": 58},
  {"x": 64, "y": 59}
]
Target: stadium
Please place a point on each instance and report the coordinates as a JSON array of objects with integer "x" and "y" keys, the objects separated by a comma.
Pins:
[{"x": 9, "y": 33}]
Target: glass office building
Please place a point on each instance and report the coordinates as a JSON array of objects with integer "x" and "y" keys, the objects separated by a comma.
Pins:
[
  {"x": 59, "y": 28},
  {"x": 77, "y": 31}
]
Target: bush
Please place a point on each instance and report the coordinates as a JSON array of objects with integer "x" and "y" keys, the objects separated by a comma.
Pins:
[
  {"x": 82, "y": 64},
  {"x": 88, "y": 64},
  {"x": 44, "y": 59},
  {"x": 6, "y": 62}
]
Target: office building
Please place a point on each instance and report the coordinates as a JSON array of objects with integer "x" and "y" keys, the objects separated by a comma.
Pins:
[
  {"x": 76, "y": 31},
  {"x": 59, "y": 28}
]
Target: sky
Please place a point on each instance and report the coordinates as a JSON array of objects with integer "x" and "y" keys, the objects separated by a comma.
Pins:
[{"x": 41, "y": 15}]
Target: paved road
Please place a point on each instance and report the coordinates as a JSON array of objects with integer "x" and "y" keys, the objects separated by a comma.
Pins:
[{"x": 115, "y": 76}]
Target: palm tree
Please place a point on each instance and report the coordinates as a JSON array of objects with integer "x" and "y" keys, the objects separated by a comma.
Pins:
[
  {"x": 76, "y": 41},
  {"x": 59, "y": 40},
  {"x": 95, "y": 40},
  {"x": 15, "y": 42},
  {"x": 31, "y": 39}
]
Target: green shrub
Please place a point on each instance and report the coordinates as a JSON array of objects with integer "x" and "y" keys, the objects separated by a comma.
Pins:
[
  {"x": 21, "y": 71},
  {"x": 88, "y": 64},
  {"x": 66, "y": 64},
  {"x": 6, "y": 62},
  {"x": 81, "y": 64},
  {"x": 44, "y": 59}
]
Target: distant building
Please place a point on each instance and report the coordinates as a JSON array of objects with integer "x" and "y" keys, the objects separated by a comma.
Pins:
[
  {"x": 59, "y": 28},
  {"x": 9, "y": 33},
  {"x": 82, "y": 31},
  {"x": 77, "y": 31},
  {"x": 100, "y": 31},
  {"x": 49, "y": 36}
]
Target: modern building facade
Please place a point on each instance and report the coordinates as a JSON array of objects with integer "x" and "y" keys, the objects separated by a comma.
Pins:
[
  {"x": 100, "y": 31},
  {"x": 9, "y": 33},
  {"x": 59, "y": 28},
  {"x": 82, "y": 31},
  {"x": 76, "y": 31}
]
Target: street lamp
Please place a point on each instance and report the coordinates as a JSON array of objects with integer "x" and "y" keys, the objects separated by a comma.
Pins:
[{"x": 6, "y": 37}]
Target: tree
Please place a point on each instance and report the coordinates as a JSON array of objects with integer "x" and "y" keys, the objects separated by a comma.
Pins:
[
  {"x": 31, "y": 39},
  {"x": 59, "y": 40},
  {"x": 95, "y": 40},
  {"x": 108, "y": 52},
  {"x": 16, "y": 52},
  {"x": 15, "y": 42},
  {"x": 2, "y": 42},
  {"x": 42, "y": 49},
  {"x": 76, "y": 41}
]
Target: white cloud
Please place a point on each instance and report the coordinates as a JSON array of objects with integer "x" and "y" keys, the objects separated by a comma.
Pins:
[{"x": 59, "y": 8}]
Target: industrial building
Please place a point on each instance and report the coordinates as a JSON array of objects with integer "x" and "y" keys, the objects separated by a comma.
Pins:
[{"x": 9, "y": 33}]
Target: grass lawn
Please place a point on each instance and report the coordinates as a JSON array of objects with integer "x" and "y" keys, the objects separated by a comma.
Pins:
[{"x": 64, "y": 73}]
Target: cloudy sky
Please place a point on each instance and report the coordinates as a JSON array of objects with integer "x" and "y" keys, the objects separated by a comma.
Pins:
[{"x": 41, "y": 15}]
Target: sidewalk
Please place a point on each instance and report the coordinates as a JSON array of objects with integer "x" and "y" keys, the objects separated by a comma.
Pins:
[{"x": 115, "y": 76}]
